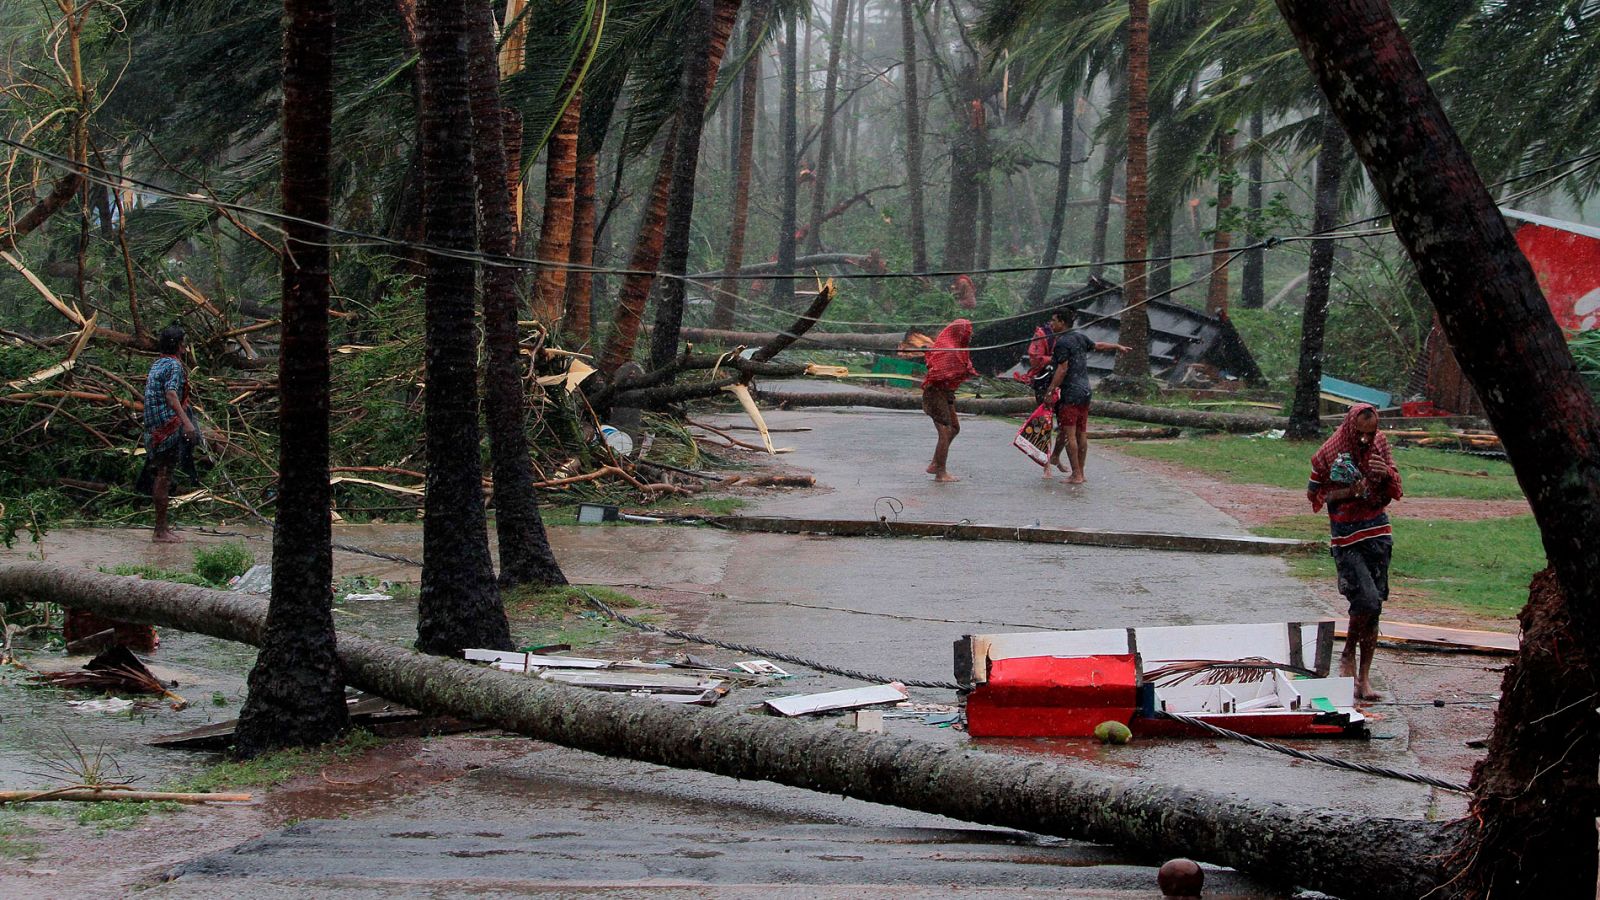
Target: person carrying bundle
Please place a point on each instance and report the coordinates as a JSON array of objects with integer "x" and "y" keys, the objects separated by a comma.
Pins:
[{"x": 949, "y": 365}]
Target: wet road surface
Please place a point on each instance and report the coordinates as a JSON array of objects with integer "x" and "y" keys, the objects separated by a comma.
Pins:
[{"x": 556, "y": 821}]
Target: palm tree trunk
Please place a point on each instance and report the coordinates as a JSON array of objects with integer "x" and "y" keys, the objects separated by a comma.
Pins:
[
  {"x": 830, "y": 93},
  {"x": 1134, "y": 365},
  {"x": 726, "y": 300},
  {"x": 1304, "y": 420},
  {"x": 1222, "y": 240},
  {"x": 968, "y": 162},
  {"x": 783, "y": 288},
  {"x": 652, "y": 236},
  {"x": 635, "y": 291},
  {"x": 1102, "y": 216},
  {"x": 1161, "y": 257},
  {"x": 1252, "y": 290},
  {"x": 580, "y": 282},
  {"x": 858, "y": 44},
  {"x": 697, "y": 82},
  {"x": 460, "y": 604},
  {"x": 555, "y": 232},
  {"x": 1040, "y": 289},
  {"x": 525, "y": 554},
  {"x": 1533, "y": 812},
  {"x": 296, "y": 688},
  {"x": 919, "y": 231}
]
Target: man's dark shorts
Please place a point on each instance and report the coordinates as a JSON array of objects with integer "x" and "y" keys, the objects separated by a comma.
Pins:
[
  {"x": 940, "y": 405},
  {"x": 1364, "y": 574}
]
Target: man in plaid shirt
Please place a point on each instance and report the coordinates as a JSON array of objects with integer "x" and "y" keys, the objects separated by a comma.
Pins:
[{"x": 170, "y": 433}]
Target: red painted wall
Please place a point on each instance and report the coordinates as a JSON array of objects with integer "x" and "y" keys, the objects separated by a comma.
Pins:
[{"x": 1568, "y": 268}]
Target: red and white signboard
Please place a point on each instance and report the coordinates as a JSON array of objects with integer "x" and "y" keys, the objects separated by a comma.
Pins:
[{"x": 1566, "y": 260}]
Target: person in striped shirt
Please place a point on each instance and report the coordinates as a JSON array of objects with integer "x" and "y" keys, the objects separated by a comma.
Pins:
[{"x": 1354, "y": 475}]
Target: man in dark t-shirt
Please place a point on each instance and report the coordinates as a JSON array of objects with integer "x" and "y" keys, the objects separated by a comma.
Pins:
[{"x": 1069, "y": 386}]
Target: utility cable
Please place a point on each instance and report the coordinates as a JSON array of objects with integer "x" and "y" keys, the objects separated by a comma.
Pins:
[
  {"x": 760, "y": 651},
  {"x": 1364, "y": 768},
  {"x": 114, "y": 179}
]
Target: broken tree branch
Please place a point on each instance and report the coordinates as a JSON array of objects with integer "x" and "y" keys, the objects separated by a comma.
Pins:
[
  {"x": 782, "y": 340},
  {"x": 1327, "y": 851}
]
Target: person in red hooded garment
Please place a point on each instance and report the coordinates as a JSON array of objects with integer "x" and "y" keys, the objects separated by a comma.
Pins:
[
  {"x": 949, "y": 364},
  {"x": 1354, "y": 473}
]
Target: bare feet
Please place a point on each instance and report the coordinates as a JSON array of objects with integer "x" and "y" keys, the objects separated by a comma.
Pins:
[
  {"x": 167, "y": 537},
  {"x": 1365, "y": 692},
  {"x": 1347, "y": 666},
  {"x": 1064, "y": 469},
  {"x": 1077, "y": 478},
  {"x": 945, "y": 478},
  {"x": 933, "y": 469}
]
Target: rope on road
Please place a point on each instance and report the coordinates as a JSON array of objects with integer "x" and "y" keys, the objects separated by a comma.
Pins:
[
  {"x": 1379, "y": 771},
  {"x": 760, "y": 651}
]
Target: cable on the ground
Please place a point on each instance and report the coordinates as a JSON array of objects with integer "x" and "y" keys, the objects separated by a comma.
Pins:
[
  {"x": 1364, "y": 768},
  {"x": 610, "y": 613}
]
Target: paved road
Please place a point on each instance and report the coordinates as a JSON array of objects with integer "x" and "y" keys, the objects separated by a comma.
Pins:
[{"x": 560, "y": 822}]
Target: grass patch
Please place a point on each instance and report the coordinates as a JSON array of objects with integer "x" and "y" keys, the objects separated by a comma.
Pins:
[
  {"x": 156, "y": 573},
  {"x": 118, "y": 814},
  {"x": 271, "y": 769},
  {"x": 1481, "y": 566},
  {"x": 14, "y": 843},
  {"x": 220, "y": 563},
  {"x": 562, "y": 615},
  {"x": 1426, "y": 473}
]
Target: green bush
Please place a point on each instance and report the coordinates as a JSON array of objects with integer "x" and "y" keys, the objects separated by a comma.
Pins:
[{"x": 224, "y": 561}]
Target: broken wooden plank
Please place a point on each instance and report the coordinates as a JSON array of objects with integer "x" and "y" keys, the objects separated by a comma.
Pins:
[
  {"x": 851, "y": 698},
  {"x": 1414, "y": 634}
]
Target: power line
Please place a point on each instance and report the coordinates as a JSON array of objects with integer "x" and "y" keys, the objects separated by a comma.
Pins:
[{"x": 110, "y": 178}]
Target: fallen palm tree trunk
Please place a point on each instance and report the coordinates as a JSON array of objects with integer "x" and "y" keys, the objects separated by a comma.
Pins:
[
  {"x": 1238, "y": 423},
  {"x": 1338, "y": 853}
]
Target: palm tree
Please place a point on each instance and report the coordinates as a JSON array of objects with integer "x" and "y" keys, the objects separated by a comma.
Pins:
[
  {"x": 755, "y": 26},
  {"x": 525, "y": 554},
  {"x": 1305, "y": 422},
  {"x": 580, "y": 282},
  {"x": 830, "y": 91},
  {"x": 1040, "y": 289},
  {"x": 651, "y": 238},
  {"x": 1134, "y": 365},
  {"x": 686, "y": 159},
  {"x": 1217, "y": 290},
  {"x": 1252, "y": 289},
  {"x": 296, "y": 688},
  {"x": 913, "y": 111},
  {"x": 789, "y": 167},
  {"x": 459, "y": 605}
]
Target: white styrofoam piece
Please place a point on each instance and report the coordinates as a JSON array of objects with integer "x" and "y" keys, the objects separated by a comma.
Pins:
[
  {"x": 802, "y": 704},
  {"x": 513, "y": 661}
]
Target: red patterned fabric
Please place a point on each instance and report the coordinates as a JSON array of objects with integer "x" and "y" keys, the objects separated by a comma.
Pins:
[
  {"x": 949, "y": 363},
  {"x": 1376, "y": 460}
]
